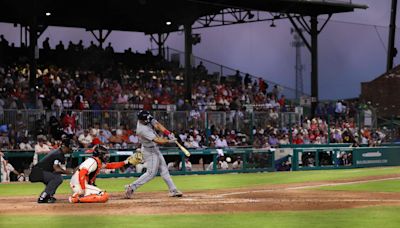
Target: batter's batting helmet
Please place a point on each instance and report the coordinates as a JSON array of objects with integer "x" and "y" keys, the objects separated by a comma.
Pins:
[
  {"x": 145, "y": 116},
  {"x": 101, "y": 152}
]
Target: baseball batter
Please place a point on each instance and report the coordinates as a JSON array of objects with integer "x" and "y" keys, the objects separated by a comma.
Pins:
[
  {"x": 155, "y": 161},
  {"x": 83, "y": 180}
]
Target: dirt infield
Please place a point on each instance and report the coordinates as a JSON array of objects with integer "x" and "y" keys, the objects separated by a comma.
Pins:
[{"x": 290, "y": 197}]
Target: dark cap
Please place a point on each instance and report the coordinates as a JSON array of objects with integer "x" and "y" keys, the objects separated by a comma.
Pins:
[{"x": 67, "y": 143}]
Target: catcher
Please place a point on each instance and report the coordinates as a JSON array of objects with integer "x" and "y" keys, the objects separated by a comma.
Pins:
[{"x": 83, "y": 180}]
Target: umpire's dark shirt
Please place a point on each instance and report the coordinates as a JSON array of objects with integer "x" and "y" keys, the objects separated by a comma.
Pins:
[{"x": 48, "y": 161}]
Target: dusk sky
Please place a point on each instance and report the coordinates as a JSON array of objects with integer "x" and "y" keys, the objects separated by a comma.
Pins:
[{"x": 352, "y": 48}]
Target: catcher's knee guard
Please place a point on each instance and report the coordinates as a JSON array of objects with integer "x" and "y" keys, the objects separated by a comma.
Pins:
[{"x": 93, "y": 198}]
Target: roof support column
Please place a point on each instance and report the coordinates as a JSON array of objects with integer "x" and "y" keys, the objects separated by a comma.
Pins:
[
  {"x": 314, "y": 63},
  {"x": 101, "y": 38},
  {"x": 160, "y": 41},
  {"x": 313, "y": 30},
  {"x": 33, "y": 53},
  {"x": 188, "y": 60},
  {"x": 391, "y": 53}
]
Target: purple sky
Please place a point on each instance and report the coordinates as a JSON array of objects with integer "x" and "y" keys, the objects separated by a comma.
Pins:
[{"x": 349, "y": 53}]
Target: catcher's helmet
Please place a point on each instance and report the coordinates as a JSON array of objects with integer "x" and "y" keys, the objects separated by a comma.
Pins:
[
  {"x": 101, "y": 152},
  {"x": 145, "y": 116}
]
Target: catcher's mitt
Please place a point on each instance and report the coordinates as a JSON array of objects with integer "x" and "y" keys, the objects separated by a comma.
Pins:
[{"x": 136, "y": 158}]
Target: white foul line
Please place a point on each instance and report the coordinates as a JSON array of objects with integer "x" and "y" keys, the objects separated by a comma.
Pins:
[{"x": 305, "y": 187}]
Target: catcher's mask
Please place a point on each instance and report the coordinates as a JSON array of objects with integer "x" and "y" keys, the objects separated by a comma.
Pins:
[
  {"x": 102, "y": 153},
  {"x": 145, "y": 116}
]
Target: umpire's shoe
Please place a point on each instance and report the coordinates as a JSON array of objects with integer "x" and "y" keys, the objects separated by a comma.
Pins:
[
  {"x": 45, "y": 198},
  {"x": 175, "y": 193},
  {"x": 128, "y": 191}
]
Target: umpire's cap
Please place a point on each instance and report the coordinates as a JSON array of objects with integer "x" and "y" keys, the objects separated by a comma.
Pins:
[
  {"x": 145, "y": 116},
  {"x": 67, "y": 143}
]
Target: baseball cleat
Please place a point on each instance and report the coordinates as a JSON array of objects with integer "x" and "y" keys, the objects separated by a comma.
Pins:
[
  {"x": 128, "y": 191},
  {"x": 46, "y": 200},
  {"x": 52, "y": 198},
  {"x": 175, "y": 193},
  {"x": 40, "y": 200}
]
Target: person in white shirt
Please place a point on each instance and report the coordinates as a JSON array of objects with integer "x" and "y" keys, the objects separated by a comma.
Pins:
[
  {"x": 238, "y": 164},
  {"x": 106, "y": 131},
  {"x": 85, "y": 139},
  {"x": 194, "y": 114},
  {"x": 191, "y": 143},
  {"x": 134, "y": 139},
  {"x": 24, "y": 145},
  {"x": 183, "y": 137},
  {"x": 338, "y": 109},
  {"x": 222, "y": 164},
  {"x": 172, "y": 166},
  {"x": 57, "y": 106},
  {"x": 188, "y": 165},
  {"x": 67, "y": 103},
  {"x": 40, "y": 148},
  {"x": 6, "y": 169},
  {"x": 221, "y": 142}
]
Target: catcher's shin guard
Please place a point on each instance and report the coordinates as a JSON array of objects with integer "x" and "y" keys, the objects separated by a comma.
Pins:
[{"x": 93, "y": 198}]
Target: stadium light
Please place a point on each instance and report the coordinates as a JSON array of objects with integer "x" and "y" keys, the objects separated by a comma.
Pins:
[
  {"x": 168, "y": 23},
  {"x": 48, "y": 14}
]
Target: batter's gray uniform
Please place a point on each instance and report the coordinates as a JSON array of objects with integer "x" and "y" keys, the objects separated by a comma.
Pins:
[{"x": 152, "y": 156}]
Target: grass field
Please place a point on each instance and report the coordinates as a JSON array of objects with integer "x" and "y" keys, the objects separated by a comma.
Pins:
[
  {"x": 207, "y": 182},
  {"x": 373, "y": 217},
  {"x": 377, "y": 186},
  {"x": 381, "y": 216}
]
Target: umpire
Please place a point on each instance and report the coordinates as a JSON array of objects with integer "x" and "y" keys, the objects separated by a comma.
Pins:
[{"x": 48, "y": 171}]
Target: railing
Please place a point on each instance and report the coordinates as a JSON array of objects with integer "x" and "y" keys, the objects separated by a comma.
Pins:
[
  {"x": 204, "y": 161},
  {"x": 32, "y": 120}
]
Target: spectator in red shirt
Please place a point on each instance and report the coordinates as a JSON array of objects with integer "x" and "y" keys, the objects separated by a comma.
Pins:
[
  {"x": 69, "y": 120},
  {"x": 299, "y": 139}
]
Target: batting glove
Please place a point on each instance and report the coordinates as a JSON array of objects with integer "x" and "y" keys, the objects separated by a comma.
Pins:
[{"x": 171, "y": 136}]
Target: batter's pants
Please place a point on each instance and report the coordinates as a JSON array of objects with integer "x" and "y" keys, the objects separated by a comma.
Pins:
[{"x": 155, "y": 162}]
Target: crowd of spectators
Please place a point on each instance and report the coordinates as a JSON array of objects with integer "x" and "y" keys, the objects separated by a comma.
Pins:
[{"x": 61, "y": 89}]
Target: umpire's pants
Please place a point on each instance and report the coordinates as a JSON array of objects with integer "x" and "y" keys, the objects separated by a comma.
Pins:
[{"x": 52, "y": 181}]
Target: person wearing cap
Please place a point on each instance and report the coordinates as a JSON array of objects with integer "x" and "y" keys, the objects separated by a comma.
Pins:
[
  {"x": 237, "y": 164},
  {"x": 85, "y": 139},
  {"x": 49, "y": 170},
  {"x": 41, "y": 148},
  {"x": 6, "y": 168}
]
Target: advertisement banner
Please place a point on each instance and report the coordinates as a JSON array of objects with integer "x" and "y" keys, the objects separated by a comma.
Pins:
[{"x": 376, "y": 156}]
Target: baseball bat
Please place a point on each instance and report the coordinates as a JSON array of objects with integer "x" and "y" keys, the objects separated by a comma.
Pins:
[{"x": 183, "y": 149}]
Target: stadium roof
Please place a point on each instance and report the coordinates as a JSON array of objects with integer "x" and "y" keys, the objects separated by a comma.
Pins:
[{"x": 150, "y": 16}]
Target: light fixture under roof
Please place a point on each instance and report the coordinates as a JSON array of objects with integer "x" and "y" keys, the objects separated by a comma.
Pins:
[
  {"x": 48, "y": 14},
  {"x": 168, "y": 23}
]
